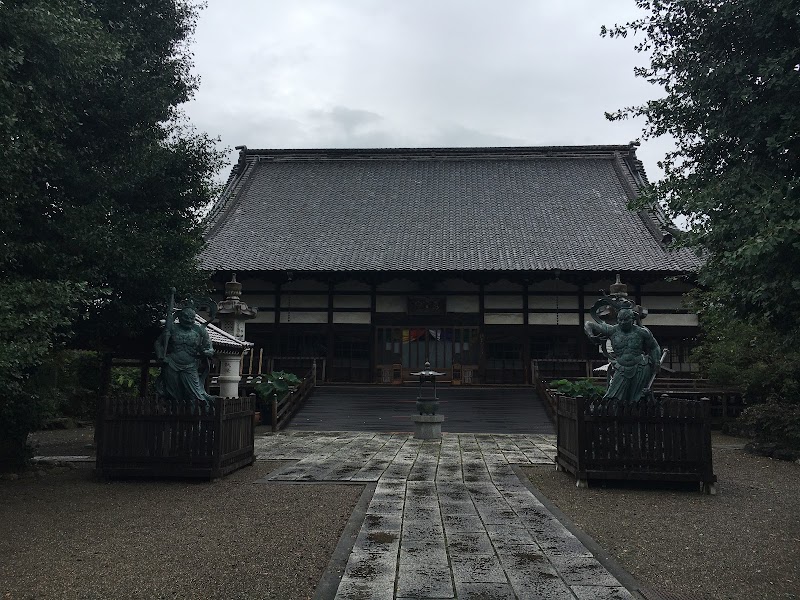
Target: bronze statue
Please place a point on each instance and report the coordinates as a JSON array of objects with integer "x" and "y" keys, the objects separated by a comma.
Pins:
[
  {"x": 184, "y": 349},
  {"x": 635, "y": 356}
]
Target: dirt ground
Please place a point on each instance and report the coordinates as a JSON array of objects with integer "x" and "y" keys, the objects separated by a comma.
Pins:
[
  {"x": 66, "y": 534},
  {"x": 742, "y": 544}
]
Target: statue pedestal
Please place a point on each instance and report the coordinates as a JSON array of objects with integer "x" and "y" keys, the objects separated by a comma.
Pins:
[
  {"x": 428, "y": 427},
  {"x": 229, "y": 375}
]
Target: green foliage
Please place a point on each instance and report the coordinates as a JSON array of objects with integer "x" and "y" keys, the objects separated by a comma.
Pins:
[
  {"x": 101, "y": 179},
  {"x": 729, "y": 73},
  {"x": 34, "y": 320},
  {"x": 580, "y": 387},
  {"x": 277, "y": 385},
  {"x": 749, "y": 356},
  {"x": 68, "y": 384},
  {"x": 729, "y": 79},
  {"x": 774, "y": 422},
  {"x": 125, "y": 382}
]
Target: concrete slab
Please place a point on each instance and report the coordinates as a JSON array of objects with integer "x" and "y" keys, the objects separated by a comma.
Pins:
[{"x": 447, "y": 517}]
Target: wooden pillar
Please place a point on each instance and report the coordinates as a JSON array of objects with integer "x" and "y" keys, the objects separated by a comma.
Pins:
[
  {"x": 526, "y": 337},
  {"x": 329, "y": 331},
  {"x": 583, "y": 344},
  {"x": 481, "y": 336},
  {"x": 102, "y": 396},
  {"x": 373, "y": 306},
  {"x": 277, "y": 346},
  {"x": 144, "y": 376}
]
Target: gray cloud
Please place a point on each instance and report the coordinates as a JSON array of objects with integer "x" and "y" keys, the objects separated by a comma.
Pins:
[{"x": 361, "y": 73}]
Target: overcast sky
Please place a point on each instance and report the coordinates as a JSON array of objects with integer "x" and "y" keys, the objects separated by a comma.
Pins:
[{"x": 417, "y": 73}]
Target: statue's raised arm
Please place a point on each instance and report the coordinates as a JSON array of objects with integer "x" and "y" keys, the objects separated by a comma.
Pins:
[
  {"x": 636, "y": 356},
  {"x": 184, "y": 349}
]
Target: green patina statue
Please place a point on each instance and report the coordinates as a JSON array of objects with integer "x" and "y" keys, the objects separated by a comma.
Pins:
[
  {"x": 634, "y": 356},
  {"x": 184, "y": 348}
]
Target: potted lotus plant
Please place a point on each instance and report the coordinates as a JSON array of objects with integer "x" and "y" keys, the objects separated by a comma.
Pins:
[{"x": 275, "y": 386}]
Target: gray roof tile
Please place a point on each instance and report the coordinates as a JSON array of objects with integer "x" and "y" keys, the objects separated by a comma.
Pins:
[{"x": 505, "y": 209}]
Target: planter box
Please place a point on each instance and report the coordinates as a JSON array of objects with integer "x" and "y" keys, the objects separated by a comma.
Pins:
[
  {"x": 144, "y": 437},
  {"x": 666, "y": 440}
]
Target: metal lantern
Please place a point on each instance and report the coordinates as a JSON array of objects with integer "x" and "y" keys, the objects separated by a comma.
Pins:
[{"x": 427, "y": 405}]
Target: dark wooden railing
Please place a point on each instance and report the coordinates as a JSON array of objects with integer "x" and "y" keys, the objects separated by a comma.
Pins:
[
  {"x": 668, "y": 439},
  {"x": 726, "y": 404},
  {"x": 287, "y": 407},
  {"x": 148, "y": 437}
]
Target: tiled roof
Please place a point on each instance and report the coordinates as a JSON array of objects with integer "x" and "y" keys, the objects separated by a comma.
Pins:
[
  {"x": 220, "y": 338},
  {"x": 445, "y": 209}
]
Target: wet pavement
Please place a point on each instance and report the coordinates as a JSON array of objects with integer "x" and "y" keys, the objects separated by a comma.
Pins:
[{"x": 448, "y": 518}]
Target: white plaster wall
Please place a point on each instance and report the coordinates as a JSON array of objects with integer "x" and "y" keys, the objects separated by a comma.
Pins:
[
  {"x": 550, "y": 302},
  {"x": 290, "y": 301},
  {"x": 666, "y": 286},
  {"x": 503, "y": 319},
  {"x": 663, "y": 302},
  {"x": 463, "y": 304},
  {"x": 550, "y": 319},
  {"x": 256, "y": 300},
  {"x": 502, "y": 302},
  {"x": 263, "y": 316},
  {"x": 351, "y": 301},
  {"x": 390, "y": 304},
  {"x": 675, "y": 320},
  {"x": 304, "y": 317},
  {"x": 345, "y": 317}
]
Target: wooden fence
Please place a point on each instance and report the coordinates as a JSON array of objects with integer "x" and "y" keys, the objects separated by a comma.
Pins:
[
  {"x": 668, "y": 439},
  {"x": 148, "y": 437},
  {"x": 726, "y": 404},
  {"x": 287, "y": 407}
]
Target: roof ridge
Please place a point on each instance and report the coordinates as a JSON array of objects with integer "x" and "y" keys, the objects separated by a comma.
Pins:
[
  {"x": 436, "y": 153},
  {"x": 232, "y": 190}
]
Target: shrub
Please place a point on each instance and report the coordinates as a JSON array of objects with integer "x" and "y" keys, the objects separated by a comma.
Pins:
[
  {"x": 773, "y": 422},
  {"x": 580, "y": 387},
  {"x": 277, "y": 385}
]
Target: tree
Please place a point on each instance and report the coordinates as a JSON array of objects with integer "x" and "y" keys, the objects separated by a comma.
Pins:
[
  {"x": 101, "y": 177},
  {"x": 730, "y": 71}
]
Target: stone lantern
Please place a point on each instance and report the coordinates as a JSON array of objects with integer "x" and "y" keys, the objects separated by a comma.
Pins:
[
  {"x": 232, "y": 314},
  {"x": 427, "y": 424}
]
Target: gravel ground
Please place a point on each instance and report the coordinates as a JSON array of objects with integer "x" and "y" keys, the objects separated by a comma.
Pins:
[
  {"x": 742, "y": 544},
  {"x": 66, "y": 534},
  {"x": 63, "y": 442},
  {"x": 274, "y": 540}
]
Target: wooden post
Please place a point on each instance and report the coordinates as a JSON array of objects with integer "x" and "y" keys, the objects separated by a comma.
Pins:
[
  {"x": 314, "y": 373},
  {"x": 144, "y": 376},
  {"x": 274, "y": 405},
  {"x": 582, "y": 439},
  {"x": 558, "y": 426},
  {"x": 707, "y": 487},
  {"x": 102, "y": 398},
  {"x": 217, "y": 445}
]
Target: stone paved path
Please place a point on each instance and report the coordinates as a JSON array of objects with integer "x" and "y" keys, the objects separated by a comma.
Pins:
[{"x": 449, "y": 518}]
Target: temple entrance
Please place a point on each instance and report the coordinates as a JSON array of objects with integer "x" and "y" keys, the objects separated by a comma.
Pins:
[
  {"x": 400, "y": 351},
  {"x": 389, "y": 409}
]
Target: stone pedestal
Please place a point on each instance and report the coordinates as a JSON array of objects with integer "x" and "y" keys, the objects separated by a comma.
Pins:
[
  {"x": 428, "y": 427},
  {"x": 229, "y": 365},
  {"x": 232, "y": 313}
]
